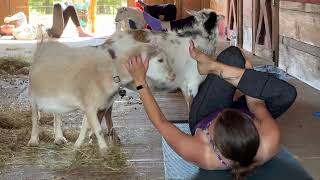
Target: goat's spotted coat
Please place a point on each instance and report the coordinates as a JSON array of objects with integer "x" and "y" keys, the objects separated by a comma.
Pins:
[{"x": 63, "y": 79}]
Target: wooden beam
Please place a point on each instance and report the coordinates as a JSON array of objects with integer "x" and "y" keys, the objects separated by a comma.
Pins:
[
  {"x": 275, "y": 31},
  {"x": 305, "y": 1},
  {"x": 302, "y": 7},
  {"x": 301, "y": 65},
  {"x": 255, "y": 8},
  {"x": 240, "y": 23},
  {"x": 301, "y": 46},
  {"x": 300, "y": 26}
]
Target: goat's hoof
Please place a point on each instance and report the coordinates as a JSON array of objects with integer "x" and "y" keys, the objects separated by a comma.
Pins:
[
  {"x": 103, "y": 150},
  {"x": 114, "y": 135},
  {"x": 33, "y": 143},
  {"x": 77, "y": 145},
  {"x": 60, "y": 141}
]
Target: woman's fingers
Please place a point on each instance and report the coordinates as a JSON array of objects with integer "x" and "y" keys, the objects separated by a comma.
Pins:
[{"x": 146, "y": 64}]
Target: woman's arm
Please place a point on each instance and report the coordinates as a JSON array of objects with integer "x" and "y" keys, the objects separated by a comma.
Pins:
[
  {"x": 188, "y": 147},
  {"x": 268, "y": 129}
]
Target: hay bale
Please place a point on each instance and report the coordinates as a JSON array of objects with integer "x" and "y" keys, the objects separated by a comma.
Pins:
[
  {"x": 14, "y": 119},
  {"x": 23, "y": 71},
  {"x": 71, "y": 134},
  {"x": 13, "y": 67}
]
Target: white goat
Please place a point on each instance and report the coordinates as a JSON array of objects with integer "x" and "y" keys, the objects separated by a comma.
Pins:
[
  {"x": 174, "y": 48},
  {"x": 124, "y": 14},
  {"x": 63, "y": 79}
]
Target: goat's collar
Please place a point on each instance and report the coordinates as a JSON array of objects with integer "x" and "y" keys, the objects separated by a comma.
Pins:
[
  {"x": 115, "y": 75},
  {"x": 116, "y": 78}
]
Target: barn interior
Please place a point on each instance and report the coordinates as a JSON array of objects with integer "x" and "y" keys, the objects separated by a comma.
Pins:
[{"x": 281, "y": 36}]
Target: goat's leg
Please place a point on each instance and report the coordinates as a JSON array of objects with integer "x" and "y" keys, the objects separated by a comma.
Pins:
[
  {"x": 58, "y": 134},
  {"x": 100, "y": 115},
  {"x": 95, "y": 126},
  {"x": 188, "y": 97},
  {"x": 111, "y": 131},
  {"x": 34, "y": 140},
  {"x": 83, "y": 132}
]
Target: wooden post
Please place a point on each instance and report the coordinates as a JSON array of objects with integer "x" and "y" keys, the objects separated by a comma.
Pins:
[
  {"x": 275, "y": 31},
  {"x": 4, "y": 9},
  {"x": 130, "y": 3},
  {"x": 255, "y": 9},
  {"x": 178, "y": 4},
  {"x": 240, "y": 23}
]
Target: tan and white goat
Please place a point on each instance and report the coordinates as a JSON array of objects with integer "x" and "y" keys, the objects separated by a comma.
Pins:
[{"x": 63, "y": 79}]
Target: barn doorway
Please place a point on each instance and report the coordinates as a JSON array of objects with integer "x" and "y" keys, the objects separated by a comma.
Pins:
[{"x": 266, "y": 29}]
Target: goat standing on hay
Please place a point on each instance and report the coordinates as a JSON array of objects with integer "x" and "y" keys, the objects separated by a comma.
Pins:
[
  {"x": 63, "y": 79},
  {"x": 172, "y": 47}
]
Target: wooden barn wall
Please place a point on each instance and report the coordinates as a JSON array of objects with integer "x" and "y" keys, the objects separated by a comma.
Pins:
[
  {"x": 299, "y": 33},
  {"x": 247, "y": 25},
  {"x": 10, "y": 7}
]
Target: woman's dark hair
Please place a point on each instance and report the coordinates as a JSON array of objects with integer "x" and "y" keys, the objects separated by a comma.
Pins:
[{"x": 237, "y": 139}]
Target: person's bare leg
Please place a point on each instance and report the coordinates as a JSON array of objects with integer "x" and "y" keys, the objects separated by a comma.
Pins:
[
  {"x": 70, "y": 12},
  {"x": 82, "y": 33},
  {"x": 57, "y": 23}
]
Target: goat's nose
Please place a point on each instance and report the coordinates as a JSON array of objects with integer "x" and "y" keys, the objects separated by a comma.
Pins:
[{"x": 172, "y": 77}]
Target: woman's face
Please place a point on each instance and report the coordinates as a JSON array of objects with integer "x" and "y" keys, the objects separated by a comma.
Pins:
[{"x": 6, "y": 29}]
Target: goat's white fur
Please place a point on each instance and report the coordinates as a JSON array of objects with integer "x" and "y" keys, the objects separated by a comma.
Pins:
[
  {"x": 124, "y": 14},
  {"x": 184, "y": 67},
  {"x": 63, "y": 79}
]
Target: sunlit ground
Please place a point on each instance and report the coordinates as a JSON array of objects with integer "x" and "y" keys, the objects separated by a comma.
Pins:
[{"x": 104, "y": 24}]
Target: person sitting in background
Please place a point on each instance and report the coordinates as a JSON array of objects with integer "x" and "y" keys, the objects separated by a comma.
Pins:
[
  {"x": 155, "y": 14},
  {"x": 25, "y": 31},
  {"x": 163, "y": 12},
  {"x": 61, "y": 15}
]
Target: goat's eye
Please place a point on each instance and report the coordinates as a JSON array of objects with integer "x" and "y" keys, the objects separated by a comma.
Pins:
[{"x": 160, "y": 60}]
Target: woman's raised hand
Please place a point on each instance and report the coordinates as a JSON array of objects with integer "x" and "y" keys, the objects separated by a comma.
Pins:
[{"x": 138, "y": 69}]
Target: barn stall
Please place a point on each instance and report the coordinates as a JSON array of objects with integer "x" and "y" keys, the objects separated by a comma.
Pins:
[{"x": 283, "y": 34}]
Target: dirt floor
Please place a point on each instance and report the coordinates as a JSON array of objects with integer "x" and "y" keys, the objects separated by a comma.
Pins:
[{"x": 139, "y": 154}]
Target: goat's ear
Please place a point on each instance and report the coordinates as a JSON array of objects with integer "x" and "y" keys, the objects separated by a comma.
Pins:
[
  {"x": 122, "y": 8},
  {"x": 220, "y": 17},
  {"x": 191, "y": 12}
]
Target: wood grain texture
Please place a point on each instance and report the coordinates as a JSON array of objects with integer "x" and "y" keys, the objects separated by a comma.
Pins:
[
  {"x": 305, "y": 1},
  {"x": 301, "y": 26},
  {"x": 298, "y": 6},
  {"x": 301, "y": 46},
  {"x": 301, "y": 65}
]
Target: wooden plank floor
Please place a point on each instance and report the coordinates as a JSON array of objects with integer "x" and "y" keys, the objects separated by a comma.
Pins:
[{"x": 142, "y": 143}]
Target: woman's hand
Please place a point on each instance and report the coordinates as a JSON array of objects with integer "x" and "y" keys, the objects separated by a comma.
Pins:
[
  {"x": 204, "y": 62},
  {"x": 6, "y": 29},
  {"x": 138, "y": 69},
  {"x": 7, "y": 20}
]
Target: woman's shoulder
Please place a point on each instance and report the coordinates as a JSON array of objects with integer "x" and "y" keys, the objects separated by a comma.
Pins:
[
  {"x": 268, "y": 148},
  {"x": 209, "y": 160}
]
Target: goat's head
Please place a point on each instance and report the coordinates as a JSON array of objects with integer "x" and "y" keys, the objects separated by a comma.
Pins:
[
  {"x": 205, "y": 19},
  {"x": 122, "y": 13},
  {"x": 160, "y": 72}
]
